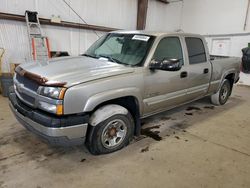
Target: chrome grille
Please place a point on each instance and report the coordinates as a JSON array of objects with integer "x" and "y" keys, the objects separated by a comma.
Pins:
[
  {"x": 30, "y": 84},
  {"x": 26, "y": 98}
]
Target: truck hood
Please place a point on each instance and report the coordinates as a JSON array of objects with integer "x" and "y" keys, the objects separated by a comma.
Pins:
[{"x": 76, "y": 70}]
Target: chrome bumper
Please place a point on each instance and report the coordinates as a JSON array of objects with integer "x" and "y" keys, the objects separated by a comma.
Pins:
[{"x": 64, "y": 136}]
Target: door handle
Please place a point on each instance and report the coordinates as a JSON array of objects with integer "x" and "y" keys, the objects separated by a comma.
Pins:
[
  {"x": 184, "y": 74},
  {"x": 205, "y": 71}
]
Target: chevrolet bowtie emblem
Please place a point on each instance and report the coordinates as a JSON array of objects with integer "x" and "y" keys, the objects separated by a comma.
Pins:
[{"x": 19, "y": 87}]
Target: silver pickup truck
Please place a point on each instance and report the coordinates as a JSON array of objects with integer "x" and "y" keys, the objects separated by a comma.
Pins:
[{"x": 100, "y": 97}]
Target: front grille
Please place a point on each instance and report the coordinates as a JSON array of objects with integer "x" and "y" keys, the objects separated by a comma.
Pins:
[
  {"x": 30, "y": 84},
  {"x": 27, "y": 99}
]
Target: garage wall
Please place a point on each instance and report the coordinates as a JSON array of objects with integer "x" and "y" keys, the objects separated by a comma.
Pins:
[
  {"x": 164, "y": 17},
  {"x": 218, "y": 20},
  {"x": 215, "y": 19},
  {"x": 14, "y": 38},
  {"x": 115, "y": 13}
]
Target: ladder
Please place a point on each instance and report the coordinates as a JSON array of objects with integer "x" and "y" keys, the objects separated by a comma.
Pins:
[{"x": 39, "y": 44}]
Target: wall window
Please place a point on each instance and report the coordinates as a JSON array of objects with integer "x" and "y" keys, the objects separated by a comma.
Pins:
[
  {"x": 169, "y": 48},
  {"x": 196, "y": 50}
]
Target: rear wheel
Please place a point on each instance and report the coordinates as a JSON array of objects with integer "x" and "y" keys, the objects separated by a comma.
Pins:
[
  {"x": 112, "y": 134},
  {"x": 221, "y": 97}
]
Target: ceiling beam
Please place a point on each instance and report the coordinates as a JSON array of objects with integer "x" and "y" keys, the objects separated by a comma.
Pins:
[
  {"x": 142, "y": 8},
  {"x": 44, "y": 21}
]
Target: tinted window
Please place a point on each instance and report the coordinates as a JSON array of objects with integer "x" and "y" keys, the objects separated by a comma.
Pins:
[
  {"x": 196, "y": 50},
  {"x": 168, "y": 48}
]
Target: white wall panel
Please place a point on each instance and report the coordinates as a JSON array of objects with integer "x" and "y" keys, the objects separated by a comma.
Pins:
[
  {"x": 14, "y": 38},
  {"x": 164, "y": 17},
  {"x": 111, "y": 13},
  {"x": 205, "y": 17},
  {"x": 17, "y": 6},
  {"x": 214, "y": 17},
  {"x": 237, "y": 43}
]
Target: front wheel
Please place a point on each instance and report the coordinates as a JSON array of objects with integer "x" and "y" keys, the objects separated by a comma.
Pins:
[
  {"x": 112, "y": 134},
  {"x": 221, "y": 97}
]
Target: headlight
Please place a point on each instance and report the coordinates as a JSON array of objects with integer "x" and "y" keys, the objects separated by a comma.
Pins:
[
  {"x": 52, "y": 92},
  {"x": 52, "y": 106}
]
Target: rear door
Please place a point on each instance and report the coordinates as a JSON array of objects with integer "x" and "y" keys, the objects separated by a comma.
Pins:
[{"x": 199, "y": 69}]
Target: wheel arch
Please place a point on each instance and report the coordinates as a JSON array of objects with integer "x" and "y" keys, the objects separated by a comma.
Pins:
[
  {"x": 229, "y": 75},
  {"x": 131, "y": 103},
  {"x": 231, "y": 78}
]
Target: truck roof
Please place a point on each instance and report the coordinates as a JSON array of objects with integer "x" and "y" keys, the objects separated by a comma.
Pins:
[{"x": 155, "y": 33}]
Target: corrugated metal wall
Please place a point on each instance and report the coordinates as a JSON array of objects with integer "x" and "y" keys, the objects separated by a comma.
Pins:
[
  {"x": 112, "y": 13},
  {"x": 164, "y": 17},
  {"x": 188, "y": 16},
  {"x": 213, "y": 17}
]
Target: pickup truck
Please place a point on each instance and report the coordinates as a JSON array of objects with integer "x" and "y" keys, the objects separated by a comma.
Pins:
[{"x": 100, "y": 97}]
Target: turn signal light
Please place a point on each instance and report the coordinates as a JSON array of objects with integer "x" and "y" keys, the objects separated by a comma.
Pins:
[{"x": 59, "y": 109}]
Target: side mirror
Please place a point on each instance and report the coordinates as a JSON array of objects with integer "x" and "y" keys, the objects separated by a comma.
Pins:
[{"x": 166, "y": 65}]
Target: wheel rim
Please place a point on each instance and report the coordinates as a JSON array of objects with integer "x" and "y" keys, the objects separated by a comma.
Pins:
[
  {"x": 224, "y": 93},
  {"x": 114, "y": 133}
]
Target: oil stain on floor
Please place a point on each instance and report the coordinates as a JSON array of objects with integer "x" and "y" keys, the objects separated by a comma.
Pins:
[
  {"x": 209, "y": 107},
  {"x": 143, "y": 150},
  {"x": 193, "y": 108},
  {"x": 152, "y": 134}
]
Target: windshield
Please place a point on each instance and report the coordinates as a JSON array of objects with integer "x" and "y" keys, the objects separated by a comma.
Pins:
[{"x": 128, "y": 49}]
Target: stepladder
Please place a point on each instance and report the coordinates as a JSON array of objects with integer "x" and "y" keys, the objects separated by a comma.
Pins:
[{"x": 39, "y": 44}]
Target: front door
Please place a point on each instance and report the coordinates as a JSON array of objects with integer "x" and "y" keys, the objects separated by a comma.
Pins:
[{"x": 165, "y": 89}]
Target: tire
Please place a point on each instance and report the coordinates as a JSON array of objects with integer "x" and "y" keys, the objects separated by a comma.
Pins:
[
  {"x": 221, "y": 97},
  {"x": 111, "y": 134}
]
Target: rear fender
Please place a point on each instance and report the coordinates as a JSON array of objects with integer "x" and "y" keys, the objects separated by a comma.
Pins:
[{"x": 231, "y": 71}]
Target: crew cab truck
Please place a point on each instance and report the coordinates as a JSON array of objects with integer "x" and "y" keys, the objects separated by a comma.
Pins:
[{"x": 99, "y": 97}]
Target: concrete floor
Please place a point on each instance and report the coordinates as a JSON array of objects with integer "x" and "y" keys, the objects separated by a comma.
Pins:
[
  {"x": 197, "y": 147},
  {"x": 244, "y": 79}
]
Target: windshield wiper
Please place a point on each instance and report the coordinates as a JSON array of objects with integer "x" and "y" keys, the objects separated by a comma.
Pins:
[
  {"x": 88, "y": 55},
  {"x": 111, "y": 58}
]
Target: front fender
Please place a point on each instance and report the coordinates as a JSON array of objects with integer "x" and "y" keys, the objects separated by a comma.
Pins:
[
  {"x": 106, "y": 112},
  {"x": 105, "y": 96}
]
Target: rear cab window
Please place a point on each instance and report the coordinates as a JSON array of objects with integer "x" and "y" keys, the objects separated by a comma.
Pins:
[{"x": 196, "y": 50}]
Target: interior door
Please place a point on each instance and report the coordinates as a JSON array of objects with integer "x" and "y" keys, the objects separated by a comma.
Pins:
[
  {"x": 165, "y": 89},
  {"x": 199, "y": 69}
]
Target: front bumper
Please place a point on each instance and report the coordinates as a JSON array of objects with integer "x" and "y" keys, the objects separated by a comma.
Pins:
[{"x": 63, "y": 131}]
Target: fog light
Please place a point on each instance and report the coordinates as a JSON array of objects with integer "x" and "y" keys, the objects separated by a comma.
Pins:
[{"x": 52, "y": 108}]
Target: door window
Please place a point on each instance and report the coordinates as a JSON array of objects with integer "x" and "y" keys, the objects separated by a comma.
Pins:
[
  {"x": 196, "y": 50},
  {"x": 169, "y": 48}
]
